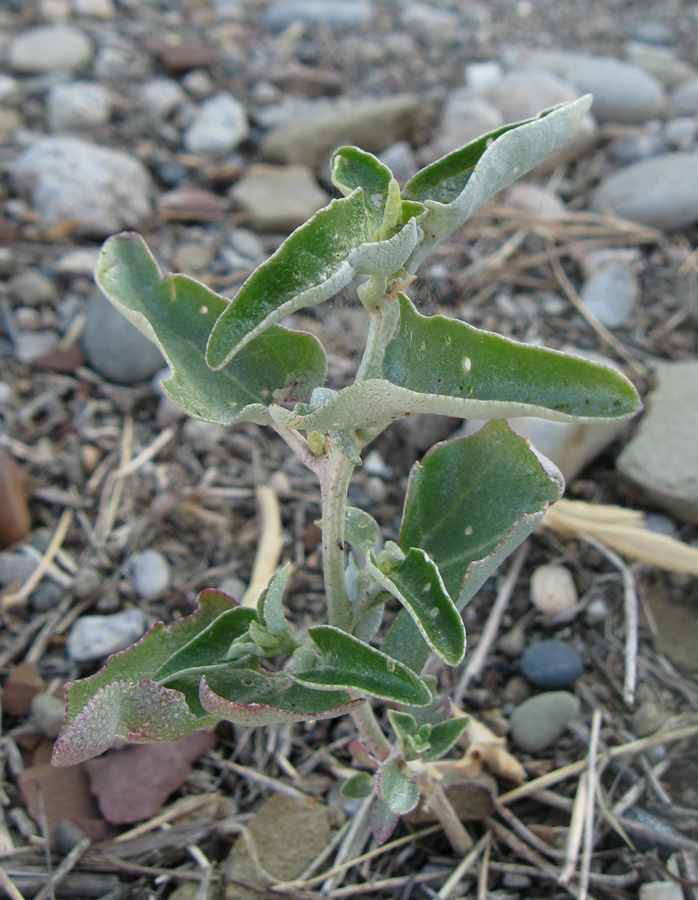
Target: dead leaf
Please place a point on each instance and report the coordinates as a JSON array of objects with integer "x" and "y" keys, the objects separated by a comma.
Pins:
[
  {"x": 132, "y": 785},
  {"x": 22, "y": 685},
  {"x": 624, "y": 530},
  {"x": 483, "y": 750}
]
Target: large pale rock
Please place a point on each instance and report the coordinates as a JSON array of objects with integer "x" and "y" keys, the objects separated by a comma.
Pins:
[
  {"x": 661, "y": 192},
  {"x": 373, "y": 124},
  {"x": 278, "y": 198},
  {"x": 67, "y": 179},
  {"x": 623, "y": 92},
  {"x": 49, "y": 48},
  {"x": 662, "y": 458}
]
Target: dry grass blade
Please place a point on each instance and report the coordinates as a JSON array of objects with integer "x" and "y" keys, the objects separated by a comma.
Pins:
[
  {"x": 114, "y": 487},
  {"x": 269, "y": 546},
  {"x": 592, "y": 782},
  {"x": 67, "y": 864},
  {"x": 12, "y": 891},
  {"x": 463, "y": 867},
  {"x": 64, "y": 523},
  {"x": 483, "y": 875}
]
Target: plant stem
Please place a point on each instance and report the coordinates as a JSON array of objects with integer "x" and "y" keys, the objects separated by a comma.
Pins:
[
  {"x": 370, "y": 731},
  {"x": 335, "y": 484},
  {"x": 384, "y": 318}
]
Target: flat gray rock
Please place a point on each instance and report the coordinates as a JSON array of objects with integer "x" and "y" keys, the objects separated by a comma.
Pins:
[
  {"x": 49, "y": 48},
  {"x": 67, "y": 179},
  {"x": 95, "y": 637},
  {"x": 220, "y": 124},
  {"x": 114, "y": 347},
  {"x": 373, "y": 124},
  {"x": 661, "y": 192},
  {"x": 332, "y": 13},
  {"x": 684, "y": 100},
  {"x": 278, "y": 198},
  {"x": 77, "y": 106},
  {"x": 623, "y": 92},
  {"x": 662, "y": 457},
  {"x": 539, "y": 721}
]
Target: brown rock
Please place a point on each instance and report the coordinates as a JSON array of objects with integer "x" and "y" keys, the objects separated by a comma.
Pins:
[
  {"x": 191, "y": 205},
  {"x": 63, "y": 361},
  {"x": 15, "y": 520},
  {"x": 22, "y": 685},
  {"x": 178, "y": 59}
]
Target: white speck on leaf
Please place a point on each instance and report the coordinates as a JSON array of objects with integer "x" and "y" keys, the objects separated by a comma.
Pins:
[
  {"x": 468, "y": 530},
  {"x": 466, "y": 363}
]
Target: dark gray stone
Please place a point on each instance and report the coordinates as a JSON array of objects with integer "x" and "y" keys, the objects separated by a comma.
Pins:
[{"x": 551, "y": 664}]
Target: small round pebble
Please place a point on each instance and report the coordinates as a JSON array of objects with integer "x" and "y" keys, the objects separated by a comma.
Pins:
[
  {"x": 648, "y": 718},
  {"x": 46, "y": 596},
  {"x": 94, "y": 637},
  {"x": 597, "y": 611},
  {"x": 551, "y": 664},
  {"x": 553, "y": 590},
  {"x": 48, "y": 713},
  {"x": 539, "y": 721},
  {"x": 150, "y": 574}
]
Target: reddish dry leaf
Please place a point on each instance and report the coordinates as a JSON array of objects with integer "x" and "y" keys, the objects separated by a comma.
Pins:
[
  {"x": 131, "y": 785},
  {"x": 22, "y": 685},
  {"x": 15, "y": 521}
]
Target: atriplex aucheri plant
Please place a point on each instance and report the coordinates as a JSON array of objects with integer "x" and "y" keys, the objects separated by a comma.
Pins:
[{"x": 470, "y": 502}]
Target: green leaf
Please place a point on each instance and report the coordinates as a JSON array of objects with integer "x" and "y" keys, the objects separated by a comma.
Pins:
[
  {"x": 270, "y": 610},
  {"x": 438, "y": 365},
  {"x": 444, "y": 736},
  {"x": 404, "y": 724},
  {"x": 442, "y": 357},
  {"x": 353, "y": 168},
  {"x": 418, "y": 586},
  {"x": 470, "y": 503},
  {"x": 358, "y": 787},
  {"x": 349, "y": 663},
  {"x": 178, "y": 313},
  {"x": 360, "y": 529},
  {"x": 395, "y": 788},
  {"x": 388, "y": 256},
  {"x": 250, "y": 697},
  {"x": 310, "y": 266},
  {"x": 456, "y": 186},
  {"x": 383, "y": 821}
]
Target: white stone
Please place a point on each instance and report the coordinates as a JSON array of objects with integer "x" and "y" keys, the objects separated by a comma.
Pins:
[
  {"x": 661, "y": 890},
  {"x": 78, "y": 105},
  {"x": 219, "y": 126},
  {"x": 95, "y": 9},
  {"x": 67, "y": 179},
  {"x": 553, "y": 590},
  {"x": 94, "y": 637},
  {"x": 9, "y": 88},
  {"x": 481, "y": 75},
  {"x": 611, "y": 293},
  {"x": 161, "y": 96},
  {"x": 681, "y": 132},
  {"x": 432, "y": 24},
  {"x": 150, "y": 574},
  {"x": 49, "y": 48}
]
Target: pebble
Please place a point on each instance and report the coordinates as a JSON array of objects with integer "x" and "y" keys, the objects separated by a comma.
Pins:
[
  {"x": 78, "y": 105},
  {"x": 46, "y": 596},
  {"x": 512, "y": 642},
  {"x": 464, "y": 118},
  {"x": 539, "y": 721},
  {"x": 88, "y": 581},
  {"x": 648, "y": 718},
  {"x": 551, "y": 664},
  {"x": 94, "y": 637},
  {"x": 336, "y": 14},
  {"x": 48, "y": 713},
  {"x": 553, "y": 590},
  {"x": 246, "y": 243},
  {"x": 77, "y": 262},
  {"x": 15, "y": 568},
  {"x": 192, "y": 256},
  {"x": 187, "y": 204},
  {"x": 32, "y": 288},
  {"x": 9, "y": 88},
  {"x": 114, "y": 347},
  {"x": 432, "y": 24},
  {"x": 49, "y": 48},
  {"x": 401, "y": 160},
  {"x": 623, "y": 93},
  {"x": 634, "y": 149},
  {"x": 661, "y": 62},
  {"x": 661, "y": 890},
  {"x": 654, "y": 31},
  {"x": 219, "y": 126},
  {"x": 95, "y": 9},
  {"x": 660, "y": 192},
  {"x": 33, "y": 345},
  {"x": 67, "y": 179},
  {"x": 596, "y": 612},
  {"x": 161, "y": 96},
  {"x": 278, "y": 198},
  {"x": 661, "y": 459},
  {"x": 15, "y": 518},
  {"x": 684, "y": 100},
  {"x": 535, "y": 198},
  {"x": 150, "y": 574},
  {"x": 373, "y": 123},
  {"x": 611, "y": 293},
  {"x": 66, "y": 835},
  {"x": 681, "y": 133}
]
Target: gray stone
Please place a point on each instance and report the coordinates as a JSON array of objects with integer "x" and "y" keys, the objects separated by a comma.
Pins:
[
  {"x": 48, "y": 713},
  {"x": 278, "y": 198},
  {"x": 432, "y": 24},
  {"x": 114, "y": 347},
  {"x": 684, "y": 100},
  {"x": 551, "y": 664},
  {"x": 32, "y": 345},
  {"x": 660, "y": 192},
  {"x": 611, "y": 293},
  {"x": 661, "y": 62},
  {"x": 78, "y": 105},
  {"x": 88, "y": 581},
  {"x": 535, "y": 198},
  {"x": 464, "y": 118},
  {"x": 49, "y": 48},
  {"x": 637, "y": 148},
  {"x": 95, "y": 9},
  {"x": 623, "y": 92},
  {"x": 150, "y": 574},
  {"x": 46, "y": 596},
  {"x": 220, "y": 124},
  {"x": 370, "y": 123},
  {"x": 681, "y": 133},
  {"x": 15, "y": 568},
  {"x": 648, "y": 718},
  {"x": 162, "y": 96},
  {"x": 332, "y": 13},
  {"x": 401, "y": 161},
  {"x": 653, "y": 31},
  {"x": 67, "y": 179},
  {"x": 661, "y": 890},
  {"x": 94, "y": 637},
  {"x": 10, "y": 88},
  {"x": 662, "y": 457},
  {"x": 77, "y": 262},
  {"x": 597, "y": 612},
  {"x": 32, "y": 288},
  {"x": 539, "y": 721}
]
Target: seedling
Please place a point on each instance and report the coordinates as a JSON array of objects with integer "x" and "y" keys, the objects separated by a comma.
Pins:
[{"x": 470, "y": 502}]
